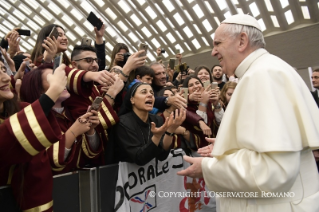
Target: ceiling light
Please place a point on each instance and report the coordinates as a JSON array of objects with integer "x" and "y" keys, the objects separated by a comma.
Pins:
[
  {"x": 262, "y": 24},
  {"x": 170, "y": 38},
  {"x": 159, "y": 9},
  {"x": 87, "y": 7},
  {"x": 197, "y": 29},
  {"x": 136, "y": 20},
  {"x": 217, "y": 20},
  {"x": 7, "y": 24},
  {"x": 156, "y": 43},
  {"x": 150, "y": 56},
  {"x": 25, "y": 9},
  {"x": 54, "y": 8},
  {"x": 179, "y": 19},
  {"x": 305, "y": 12},
  {"x": 163, "y": 40},
  {"x": 198, "y": 11},
  {"x": 154, "y": 29},
  {"x": 289, "y": 17},
  {"x": 141, "y": 14},
  {"x": 284, "y": 3},
  {"x": 32, "y": 42},
  {"x": 33, "y": 25},
  {"x": 110, "y": 31},
  {"x": 207, "y": 25},
  {"x": 168, "y": 5},
  {"x": 108, "y": 58},
  {"x": 76, "y": 14},
  {"x": 146, "y": 32},
  {"x": 133, "y": 37},
  {"x": 240, "y": 11},
  {"x": 109, "y": 46},
  {"x": 254, "y": 9},
  {"x": 170, "y": 23},
  {"x": 274, "y": 20},
  {"x": 79, "y": 31},
  {"x": 196, "y": 44},
  {"x": 46, "y": 14},
  {"x": 2, "y": 12},
  {"x": 15, "y": 21},
  {"x": 64, "y": 3},
  {"x": 71, "y": 36},
  {"x": 100, "y": 2},
  {"x": 209, "y": 7},
  {"x": 235, "y": 1},
  {"x": 187, "y": 46},
  {"x": 227, "y": 14},
  {"x": 179, "y": 35},
  {"x": 32, "y": 3},
  {"x": 110, "y": 13},
  {"x": 67, "y": 20},
  {"x": 150, "y": 12},
  {"x": 205, "y": 41},
  {"x": 120, "y": 40},
  {"x": 124, "y": 6},
  {"x": 269, "y": 6},
  {"x": 71, "y": 47},
  {"x": 161, "y": 25},
  {"x": 212, "y": 36},
  {"x": 188, "y": 16},
  {"x": 5, "y": 5},
  {"x": 39, "y": 20},
  {"x": 141, "y": 2},
  {"x": 221, "y": 4},
  {"x": 188, "y": 32},
  {"x": 123, "y": 26}
]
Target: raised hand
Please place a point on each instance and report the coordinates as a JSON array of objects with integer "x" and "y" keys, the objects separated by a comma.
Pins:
[
  {"x": 51, "y": 49},
  {"x": 195, "y": 170},
  {"x": 207, "y": 150}
]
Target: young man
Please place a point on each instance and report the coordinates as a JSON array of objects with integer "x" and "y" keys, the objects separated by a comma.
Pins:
[
  {"x": 217, "y": 75},
  {"x": 264, "y": 142}
]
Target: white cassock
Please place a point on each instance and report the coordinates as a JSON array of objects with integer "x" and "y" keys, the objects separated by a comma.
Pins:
[{"x": 265, "y": 140}]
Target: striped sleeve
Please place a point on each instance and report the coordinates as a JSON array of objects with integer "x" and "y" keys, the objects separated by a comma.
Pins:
[
  {"x": 87, "y": 150},
  {"x": 32, "y": 130},
  {"x": 75, "y": 82}
]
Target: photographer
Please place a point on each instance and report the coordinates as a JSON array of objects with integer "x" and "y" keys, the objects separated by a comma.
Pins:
[{"x": 117, "y": 58}]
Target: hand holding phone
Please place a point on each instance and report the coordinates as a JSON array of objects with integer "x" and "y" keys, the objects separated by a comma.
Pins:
[
  {"x": 214, "y": 85},
  {"x": 144, "y": 47},
  {"x": 96, "y": 104},
  {"x": 25, "y": 32},
  {"x": 54, "y": 33},
  {"x": 57, "y": 61},
  {"x": 86, "y": 42},
  {"x": 172, "y": 63},
  {"x": 95, "y": 21},
  {"x": 206, "y": 84}
]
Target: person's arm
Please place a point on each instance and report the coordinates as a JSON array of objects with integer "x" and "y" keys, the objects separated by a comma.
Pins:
[{"x": 253, "y": 171}]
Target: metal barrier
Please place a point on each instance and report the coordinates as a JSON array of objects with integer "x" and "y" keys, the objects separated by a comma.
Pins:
[{"x": 90, "y": 189}]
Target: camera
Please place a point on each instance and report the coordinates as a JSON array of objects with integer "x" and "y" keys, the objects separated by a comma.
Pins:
[
  {"x": 162, "y": 50},
  {"x": 126, "y": 56}
]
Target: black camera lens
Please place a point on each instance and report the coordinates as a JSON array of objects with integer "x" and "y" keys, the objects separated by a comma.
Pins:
[
  {"x": 162, "y": 50},
  {"x": 126, "y": 56}
]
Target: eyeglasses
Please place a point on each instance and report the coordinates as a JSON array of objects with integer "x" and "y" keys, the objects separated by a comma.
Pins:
[
  {"x": 315, "y": 77},
  {"x": 89, "y": 60}
]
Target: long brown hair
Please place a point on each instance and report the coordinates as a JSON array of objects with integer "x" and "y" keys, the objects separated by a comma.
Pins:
[
  {"x": 116, "y": 50},
  {"x": 222, "y": 95},
  {"x": 39, "y": 50}
]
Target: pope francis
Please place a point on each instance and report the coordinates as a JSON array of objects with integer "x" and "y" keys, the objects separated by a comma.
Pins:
[{"x": 265, "y": 141}]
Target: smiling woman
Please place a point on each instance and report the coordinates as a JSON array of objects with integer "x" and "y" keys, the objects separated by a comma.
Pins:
[
  {"x": 142, "y": 136},
  {"x": 46, "y": 48}
]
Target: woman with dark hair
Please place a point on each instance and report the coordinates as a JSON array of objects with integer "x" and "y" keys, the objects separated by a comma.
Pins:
[
  {"x": 203, "y": 73},
  {"x": 117, "y": 57},
  {"x": 227, "y": 92},
  {"x": 199, "y": 103},
  {"x": 46, "y": 48},
  {"x": 79, "y": 143},
  {"x": 141, "y": 136},
  {"x": 25, "y": 132}
]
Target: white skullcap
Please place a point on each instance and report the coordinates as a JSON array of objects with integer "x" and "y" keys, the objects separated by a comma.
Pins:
[{"x": 242, "y": 19}]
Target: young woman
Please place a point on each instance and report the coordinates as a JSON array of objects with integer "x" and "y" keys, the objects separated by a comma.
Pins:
[
  {"x": 46, "y": 48},
  {"x": 117, "y": 57},
  {"x": 203, "y": 73},
  {"x": 141, "y": 136},
  {"x": 25, "y": 132},
  {"x": 80, "y": 143},
  {"x": 227, "y": 92},
  {"x": 200, "y": 102}
]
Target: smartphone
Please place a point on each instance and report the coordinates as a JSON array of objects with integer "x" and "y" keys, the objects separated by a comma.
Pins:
[
  {"x": 86, "y": 42},
  {"x": 95, "y": 21},
  {"x": 25, "y": 32},
  {"x": 178, "y": 51},
  {"x": 172, "y": 63},
  {"x": 162, "y": 50},
  {"x": 96, "y": 103},
  {"x": 27, "y": 67},
  {"x": 214, "y": 85},
  {"x": 185, "y": 94},
  {"x": 54, "y": 32},
  {"x": 206, "y": 84},
  {"x": 144, "y": 47},
  {"x": 57, "y": 61}
]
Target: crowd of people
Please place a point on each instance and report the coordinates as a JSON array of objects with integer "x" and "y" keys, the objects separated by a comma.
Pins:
[{"x": 49, "y": 125}]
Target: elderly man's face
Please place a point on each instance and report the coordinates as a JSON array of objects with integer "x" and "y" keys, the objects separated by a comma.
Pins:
[{"x": 225, "y": 49}]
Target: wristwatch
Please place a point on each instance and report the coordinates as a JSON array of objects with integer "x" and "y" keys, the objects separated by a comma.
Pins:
[
  {"x": 218, "y": 106},
  {"x": 169, "y": 134}
]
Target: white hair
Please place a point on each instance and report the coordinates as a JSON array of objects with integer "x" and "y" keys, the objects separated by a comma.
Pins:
[{"x": 255, "y": 36}]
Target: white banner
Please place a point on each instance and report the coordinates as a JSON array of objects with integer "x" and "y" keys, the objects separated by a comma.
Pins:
[{"x": 156, "y": 186}]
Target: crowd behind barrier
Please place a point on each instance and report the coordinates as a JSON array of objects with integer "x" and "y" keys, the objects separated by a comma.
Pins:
[{"x": 61, "y": 115}]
